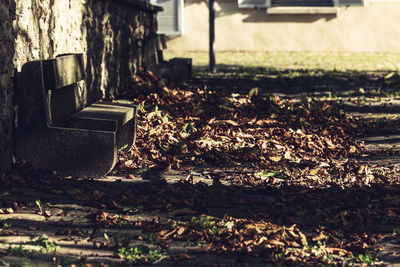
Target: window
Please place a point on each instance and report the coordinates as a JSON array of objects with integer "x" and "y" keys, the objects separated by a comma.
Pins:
[
  {"x": 350, "y": 2},
  {"x": 296, "y": 3},
  {"x": 254, "y": 3},
  {"x": 170, "y": 21},
  {"x": 302, "y": 3}
]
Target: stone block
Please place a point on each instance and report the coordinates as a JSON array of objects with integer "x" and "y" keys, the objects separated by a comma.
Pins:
[{"x": 178, "y": 70}]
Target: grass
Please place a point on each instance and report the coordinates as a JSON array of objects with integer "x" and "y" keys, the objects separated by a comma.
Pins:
[
  {"x": 298, "y": 60},
  {"x": 327, "y": 75}
]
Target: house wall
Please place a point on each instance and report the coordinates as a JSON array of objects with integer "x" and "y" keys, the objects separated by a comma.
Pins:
[
  {"x": 105, "y": 31},
  {"x": 373, "y": 27}
]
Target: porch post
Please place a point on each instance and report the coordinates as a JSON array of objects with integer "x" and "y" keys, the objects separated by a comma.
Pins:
[{"x": 212, "y": 35}]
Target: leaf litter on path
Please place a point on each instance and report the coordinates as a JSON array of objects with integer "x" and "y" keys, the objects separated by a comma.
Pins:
[{"x": 293, "y": 195}]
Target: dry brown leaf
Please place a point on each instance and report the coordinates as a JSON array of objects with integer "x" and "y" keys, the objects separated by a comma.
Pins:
[
  {"x": 276, "y": 242},
  {"x": 293, "y": 244},
  {"x": 303, "y": 238},
  {"x": 47, "y": 213},
  {"x": 275, "y": 158},
  {"x": 222, "y": 122},
  {"x": 165, "y": 233},
  {"x": 103, "y": 215},
  {"x": 9, "y": 210},
  {"x": 313, "y": 172},
  {"x": 181, "y": 230},
  {"x": 261, "y": 240},
  {"x": 352, "y": 149},
  {"x": 320, "y": 236},
  {"x": 248, "y": 242},
  {"x": 128, "y": 162}
]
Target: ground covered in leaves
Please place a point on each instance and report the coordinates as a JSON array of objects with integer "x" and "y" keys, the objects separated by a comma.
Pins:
[
  {"x": 216, "y": 178},
  {"x": 291, "y": 141}
]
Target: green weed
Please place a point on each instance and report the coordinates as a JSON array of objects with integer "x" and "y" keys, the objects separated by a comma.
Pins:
[
  {"x": 5, "y": 226},
  {"x": 123, "y": 147},
  {"x": 196, "y": 243},
  {"x": 42, "y": 206},
  {"x": 46, "y": 245},
  {"x": 323, "y": 243},
  {"x": 189, "y": 128},
  {"x": 207, "y": 223},
  {"x": 133, "y": 253},
  {"x": 130, "y": 209},
  {"x": 396, "y": 231},
  {"x": 155, "y": 255},
  {"x": 270, "y": 173},
  {"x": 140, "y": 252},
  {"x": 253, "y": 91},
  {"x": 366, "y": 258}
]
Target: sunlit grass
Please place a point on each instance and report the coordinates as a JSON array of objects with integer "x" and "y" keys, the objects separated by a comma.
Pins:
[{"x": 298, "y": 60}]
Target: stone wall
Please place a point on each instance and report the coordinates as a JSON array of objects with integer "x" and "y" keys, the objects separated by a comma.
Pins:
[
  {"x": 107, "y": 32},
  {"x": 7, "y": 16}
]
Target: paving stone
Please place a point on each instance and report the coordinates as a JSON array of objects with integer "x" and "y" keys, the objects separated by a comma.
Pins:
[
  {"x": 22, "y": 216},
  {"x": 15, "y": 239},
  {"x": 389, "y": 252}
]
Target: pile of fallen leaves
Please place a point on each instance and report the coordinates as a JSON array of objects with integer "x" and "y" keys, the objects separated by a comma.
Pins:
[
  {"x": 276, "y": 243},
  {"x": 305, "y": 140},
  {"x": 298, "y": 197}
]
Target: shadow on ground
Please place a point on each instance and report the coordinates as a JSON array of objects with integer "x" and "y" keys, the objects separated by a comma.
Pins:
[
  {"x": 296, "y": 81},
  {"x": 78, "y": 215}
]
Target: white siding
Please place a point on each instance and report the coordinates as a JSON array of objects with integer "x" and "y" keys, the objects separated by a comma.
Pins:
[{"x": 170, "y": 21}]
